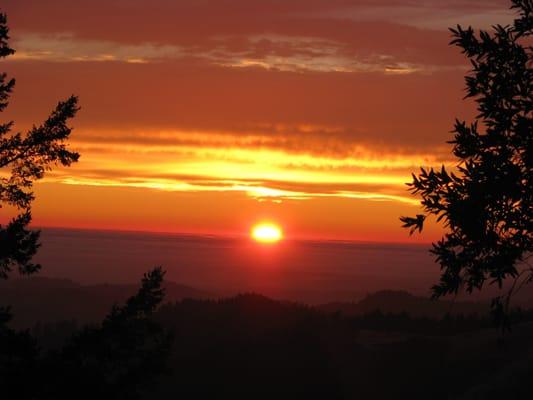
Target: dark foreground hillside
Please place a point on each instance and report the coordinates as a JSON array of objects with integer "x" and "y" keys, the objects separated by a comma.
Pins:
[
  {"x": 389, "y": 345},
  {"x": 253, "y": 347}
]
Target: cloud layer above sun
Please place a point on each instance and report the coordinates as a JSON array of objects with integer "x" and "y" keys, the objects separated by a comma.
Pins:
[{"x": 278, "y": 100}]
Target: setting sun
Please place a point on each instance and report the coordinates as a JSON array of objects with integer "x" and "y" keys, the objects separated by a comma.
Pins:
[{"x": 267, "y": 233}]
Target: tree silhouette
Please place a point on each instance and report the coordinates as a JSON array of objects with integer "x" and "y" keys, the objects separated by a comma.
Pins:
[
  {"x": 487, "y": 204},
  {"x": 117, "y": 359},
  {"x": 114, "y": 360},
  {"x": 27, "y": 157},
  {"x": 24, "y": 159}
]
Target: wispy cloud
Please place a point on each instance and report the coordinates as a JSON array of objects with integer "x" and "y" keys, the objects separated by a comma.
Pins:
[
  {"x": 299, "y": 54},
  {"x": 254, "y": 190},
  {"x": 65, "y": 47},
  {"x": 199, "y": 162},
  {"x": 309, "y": 103},
  {"x": 272, "y": 52},
  {"x": 433, "y": 14}
]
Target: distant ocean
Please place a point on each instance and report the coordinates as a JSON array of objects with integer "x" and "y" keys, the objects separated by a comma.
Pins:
[{"x": 309, "y": 271}]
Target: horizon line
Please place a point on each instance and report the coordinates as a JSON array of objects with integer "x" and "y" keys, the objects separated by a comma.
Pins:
[{"x": 233, "y": 236}]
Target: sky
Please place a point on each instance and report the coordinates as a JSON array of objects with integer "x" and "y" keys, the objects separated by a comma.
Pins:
[{"x": 207, "y": 116}]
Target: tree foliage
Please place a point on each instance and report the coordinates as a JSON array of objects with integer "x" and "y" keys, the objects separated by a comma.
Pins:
[
  {"x": 24, "y": 158},
  {"x": 120, "y": 357},
  {"x": 487, "y": 204},
  {"x": 115, "y": 360}
]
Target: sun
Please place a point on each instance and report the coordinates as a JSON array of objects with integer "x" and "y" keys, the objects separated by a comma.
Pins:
[{"x": 267, "y": 232}]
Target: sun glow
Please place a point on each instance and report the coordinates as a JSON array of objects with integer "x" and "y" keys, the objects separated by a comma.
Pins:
[{"x": 267, "y": 233}]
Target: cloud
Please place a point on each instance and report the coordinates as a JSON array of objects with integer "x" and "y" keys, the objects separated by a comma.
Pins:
[
  {"x": 320, "y": 113},
  {"x": 434, "y": 15},
  {"x": 295, "y": 35},
  {"x": 270, "y": 52},
  {"x": 256, "y": 190},
  {"x": 207, "y": 162},
  {"x": 282, "y": 100},
  {"x": 193, "y": 23},
  {"x": 65, "y": 47},
  {"x": 300, "y": 54},
  {"x": 315, "y": 147}
]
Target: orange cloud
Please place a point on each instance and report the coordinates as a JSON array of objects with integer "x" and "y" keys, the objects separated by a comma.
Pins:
[
  {"x": 324, "y": 104},
  {"x": 261, "y": 166}
]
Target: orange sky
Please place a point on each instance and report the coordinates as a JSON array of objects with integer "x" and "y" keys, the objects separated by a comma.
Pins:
[{"x": 205, "y": 116}]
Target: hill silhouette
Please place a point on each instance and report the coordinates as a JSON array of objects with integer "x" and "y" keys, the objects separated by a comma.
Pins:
[
  {"x": 251, "y": 346},
  {"x": 41, "y": 299},
  {"x": 48, "y": 299},
  {"x": 399, "y": 301}
]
